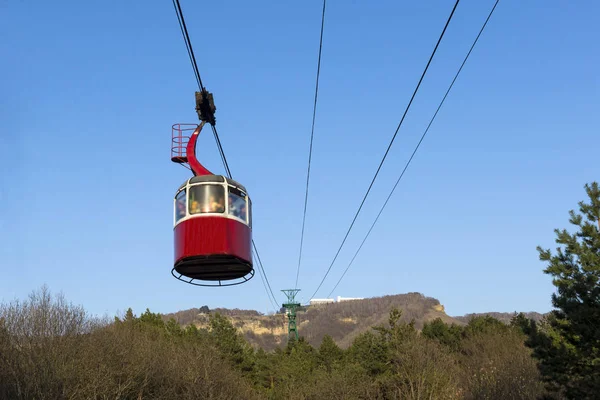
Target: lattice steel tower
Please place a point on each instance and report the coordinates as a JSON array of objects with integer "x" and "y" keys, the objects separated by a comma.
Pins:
[{"x": 291, "y": 307}]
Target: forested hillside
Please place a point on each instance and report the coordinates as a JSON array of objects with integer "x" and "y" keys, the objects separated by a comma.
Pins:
[
  {"x": 52, "y": 349},
  {"x": 501, "y": 316}
]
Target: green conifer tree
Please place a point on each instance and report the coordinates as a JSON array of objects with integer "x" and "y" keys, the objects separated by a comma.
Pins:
[
  {"x": 567, "y": 345},
  {"x": 329, "y": 353},
  {"x": 151, "y": 319},
  {"x": 231, "y": 343},
  {"x": 129, "y": 316},
  {"x": 448, "y": 335}
]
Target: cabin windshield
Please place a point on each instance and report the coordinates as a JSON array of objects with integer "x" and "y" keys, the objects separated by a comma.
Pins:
[
  {"x": 207, "y": 199},
  {"x": 237, "y": 204},
  {"x": 180, "y": 206}
]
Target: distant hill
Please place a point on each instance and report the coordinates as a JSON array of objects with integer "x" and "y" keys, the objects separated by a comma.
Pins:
[{"x": 343, "y": 321}]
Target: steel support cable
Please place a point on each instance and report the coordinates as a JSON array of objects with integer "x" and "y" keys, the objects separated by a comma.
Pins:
[
  {"x": 253, "y": 244},
  {"x": 389, "y": 146},
  {"x": 190, "y": 50},
  {"x": 186, "y": 38},
  {"x": 312, "y": 132},
  {"x": 417, "y": 147},
  {"x": 186, "y": 46},
  {"x": 221, "y": 151},
  {"x": 266, "y": 288},
  {"x": 226, "y": 165},
  {"x": 263, "y": 271},
  {"x": 192, "y": 57}
]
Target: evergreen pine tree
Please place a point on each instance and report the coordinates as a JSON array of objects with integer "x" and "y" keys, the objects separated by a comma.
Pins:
[
  {"x": 329, "y": 353},
  {"x": 567, "y": 345},
  {"x": 448, "y": 335},
  {"x": 231, "y": 343}
]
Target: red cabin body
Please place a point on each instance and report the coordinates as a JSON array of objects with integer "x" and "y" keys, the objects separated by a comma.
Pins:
[
  {"x": 213, "y": 237},
  {"x": 212, "y": 224},
  {"x": 212, "y": 248}
]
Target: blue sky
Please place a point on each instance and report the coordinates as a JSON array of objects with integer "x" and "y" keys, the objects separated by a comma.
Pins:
[{"x": 90, "y": 92}]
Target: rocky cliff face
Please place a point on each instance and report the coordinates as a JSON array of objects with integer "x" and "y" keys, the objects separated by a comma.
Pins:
[{"x": 266, "y": 331}]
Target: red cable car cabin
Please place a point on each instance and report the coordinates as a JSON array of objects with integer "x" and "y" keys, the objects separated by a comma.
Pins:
[{"x": 212, "y": 222}]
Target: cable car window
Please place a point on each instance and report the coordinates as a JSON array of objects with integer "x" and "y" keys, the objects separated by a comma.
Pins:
[
  {"x": 237, "y": 204},
  {"x": 180, "y": 206},
  {"x": 207, "y": 199}
]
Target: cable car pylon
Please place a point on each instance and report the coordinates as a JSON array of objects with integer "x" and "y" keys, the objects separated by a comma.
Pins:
[{"x": 290, "y": 310}]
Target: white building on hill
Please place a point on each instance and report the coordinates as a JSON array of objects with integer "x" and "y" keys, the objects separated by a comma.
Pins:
[
  {"x": 339, "y": 298},
  {"x": 314, "y": 302}
]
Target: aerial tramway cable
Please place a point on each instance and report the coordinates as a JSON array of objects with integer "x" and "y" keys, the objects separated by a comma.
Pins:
[
  {"x": 312, "y": 132},
  {"x": 190, "y": 50},
  {"x": 274, "y": 304},
  {"x": 192, "y": 57},
  {"x": 417, "y": 147},
  {"x": 389, "y": 146}
]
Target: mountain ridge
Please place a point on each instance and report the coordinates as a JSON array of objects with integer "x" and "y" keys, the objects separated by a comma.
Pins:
[{"x": 343, "y": 321}]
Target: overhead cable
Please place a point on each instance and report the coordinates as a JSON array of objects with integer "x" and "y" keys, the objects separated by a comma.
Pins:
[
  {"x": 312, "y": 132},
  {"x": 417, "y": 147},
  {"x": 192, "y": 57},
  {"x": 389, "y": 146}
]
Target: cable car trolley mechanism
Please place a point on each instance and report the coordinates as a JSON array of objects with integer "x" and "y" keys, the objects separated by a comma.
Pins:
[{"x": 212, "y": 214}]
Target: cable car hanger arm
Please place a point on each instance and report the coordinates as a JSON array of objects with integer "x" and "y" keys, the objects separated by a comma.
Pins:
[{"x": 197, "y": 168}]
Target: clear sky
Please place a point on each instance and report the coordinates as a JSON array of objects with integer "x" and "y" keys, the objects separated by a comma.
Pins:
[{"x": 90, "y": 91}]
